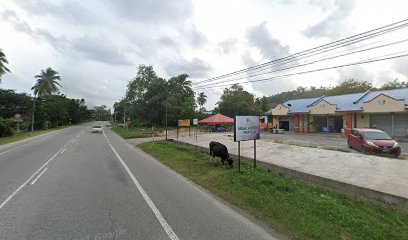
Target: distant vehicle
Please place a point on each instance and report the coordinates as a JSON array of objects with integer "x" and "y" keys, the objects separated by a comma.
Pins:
[
  {"x": 373, "y": 141},
  {"x": 96, "y": 129},
  {"x": 220, "y": 129}
]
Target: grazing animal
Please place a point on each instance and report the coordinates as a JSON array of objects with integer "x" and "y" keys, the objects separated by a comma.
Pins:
[
  {"x": 212, "y": 145},
  {"x": 220, "y": 150}
]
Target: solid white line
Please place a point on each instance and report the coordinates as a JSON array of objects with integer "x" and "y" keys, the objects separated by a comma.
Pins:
[
  {"x": 15, "y": 148},
  {"x": 63, "y": 150},
  {"x": 25, "y": 144},
  {"x": 39, "y": 175},
  {"x": 29, "y": 179},
  {"x": 146, "y": 197}
]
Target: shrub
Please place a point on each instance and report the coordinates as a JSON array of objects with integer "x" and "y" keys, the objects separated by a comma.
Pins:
[{"x": 6, "y": 127}]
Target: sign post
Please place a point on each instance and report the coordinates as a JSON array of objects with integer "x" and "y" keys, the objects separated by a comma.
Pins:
[
  {"x": 183, "y": 123},
  {"x": 246, "y": 128},
  {"x": 195, "y": 123},
  {"x": 18, "y": 120}
]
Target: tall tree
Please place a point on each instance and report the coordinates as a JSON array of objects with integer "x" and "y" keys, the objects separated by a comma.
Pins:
[
  {"x": 3, "y": 62},
  {"x": 236, "y": 101},
  {"x": 47, "y": 83},
  {"x": 201, "y": 99}
]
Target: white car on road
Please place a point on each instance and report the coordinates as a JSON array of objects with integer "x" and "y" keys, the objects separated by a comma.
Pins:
[{"x": 96, "y": 129}]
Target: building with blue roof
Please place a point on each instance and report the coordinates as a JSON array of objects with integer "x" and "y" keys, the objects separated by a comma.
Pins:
[{"x": 386, "y": 110}]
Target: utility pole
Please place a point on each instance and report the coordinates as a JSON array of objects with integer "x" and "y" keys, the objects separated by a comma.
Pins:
[
  {"x": 166, "y": 120},
  {"x": 124, "y": 116},
  {"x": 32, "y": 117}
]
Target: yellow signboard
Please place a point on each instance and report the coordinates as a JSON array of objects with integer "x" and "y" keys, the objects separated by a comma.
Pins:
[{"x": 184, "y": 123}]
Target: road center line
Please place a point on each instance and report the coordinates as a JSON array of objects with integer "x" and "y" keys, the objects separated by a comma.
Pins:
[
  {"x": 146, "y": 197},
  {"x": 32, "y": 176},
  {"x": 39, "y": 175},
  {"x": 63, "y": 150}
]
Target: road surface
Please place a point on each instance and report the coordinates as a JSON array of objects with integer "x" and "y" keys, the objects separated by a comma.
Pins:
[{"x": 72, "y": 184}]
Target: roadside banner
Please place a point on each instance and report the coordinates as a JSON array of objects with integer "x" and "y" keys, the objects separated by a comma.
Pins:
[
  {"x": 195, "y": 121},
  {"x": 184, "y": 123},
  {"x": 246, "y": 128}
]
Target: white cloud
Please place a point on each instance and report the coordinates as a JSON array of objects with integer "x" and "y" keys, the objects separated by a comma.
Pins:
[{"x": 97, "y": 45}]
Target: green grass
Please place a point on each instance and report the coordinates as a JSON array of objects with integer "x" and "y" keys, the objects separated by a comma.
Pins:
[
  {"x": 131, "y": 132},
  {"x": 24, "y": 135},
  {"x": 299, "y": 209}
]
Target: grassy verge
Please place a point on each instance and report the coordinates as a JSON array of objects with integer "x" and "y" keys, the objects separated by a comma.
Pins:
[
  {"x": 131, "y": 132},
  {"x": 24, "y": 135},
  {"x": 299, "y": 209}
]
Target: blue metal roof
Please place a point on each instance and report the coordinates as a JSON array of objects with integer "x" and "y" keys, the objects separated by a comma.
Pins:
[
  {"x": 346, "y": 102},
  {"x": 398, "y": 94},
  {"x": 299, "y": 105}
]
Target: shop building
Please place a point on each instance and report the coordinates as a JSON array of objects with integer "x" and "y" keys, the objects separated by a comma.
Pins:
[{"x": 386, "y": 110}]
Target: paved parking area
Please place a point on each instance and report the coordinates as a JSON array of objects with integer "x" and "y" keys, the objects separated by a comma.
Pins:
[
  {"x": 319, "y": 140},
  {"x": 378, "y": 173}
]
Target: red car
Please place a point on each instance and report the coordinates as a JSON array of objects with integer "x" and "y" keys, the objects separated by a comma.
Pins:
[{"x": 373, "y": 141}]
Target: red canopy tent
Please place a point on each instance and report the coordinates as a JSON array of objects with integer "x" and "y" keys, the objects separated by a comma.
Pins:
[{"x": 217, "y": 119}]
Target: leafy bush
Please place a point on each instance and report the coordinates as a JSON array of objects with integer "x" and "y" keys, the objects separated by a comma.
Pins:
[{"x": 6, "y": 127}]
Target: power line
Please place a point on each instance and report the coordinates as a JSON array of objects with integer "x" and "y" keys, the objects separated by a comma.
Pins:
[
  {"x": 294, "y": 56},
  {"x": 309, "y": 63},
  {"x": 323, "y": 48},
  {"x": 310, "y": 71}
]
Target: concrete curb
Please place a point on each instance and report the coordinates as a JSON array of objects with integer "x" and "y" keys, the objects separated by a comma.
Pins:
[{"x": 370, "y": 194}]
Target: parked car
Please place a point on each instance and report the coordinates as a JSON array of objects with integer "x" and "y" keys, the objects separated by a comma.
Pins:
[
  {"x": 96, "y": 129},
  {"x": 373, "y": 141}
]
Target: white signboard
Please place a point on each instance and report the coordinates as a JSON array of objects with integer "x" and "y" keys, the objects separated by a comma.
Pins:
[
  {"x": 246, "y": 128},
  {"x": 195, "y": 121}
]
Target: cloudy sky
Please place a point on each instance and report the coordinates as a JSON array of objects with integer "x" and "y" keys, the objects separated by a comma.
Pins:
[{"x": 96, "y": 46}]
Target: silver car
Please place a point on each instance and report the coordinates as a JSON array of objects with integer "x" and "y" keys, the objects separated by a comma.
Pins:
[{"x": 96, "y": 129}]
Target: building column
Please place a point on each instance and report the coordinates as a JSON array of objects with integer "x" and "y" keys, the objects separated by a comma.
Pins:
[
  {"x": 349, "y": 124},
  {"x": 303, "y": 123},
  {"x": 296, "y": 123},
  {"x": 308, "y": 124},
  {"x": 393, "y": 124}
]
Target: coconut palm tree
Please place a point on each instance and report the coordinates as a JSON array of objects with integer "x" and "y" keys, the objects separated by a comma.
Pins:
[
  {"x": 201, "y": 99},
  {"x": 3, "y": 62},
  {"x": 180, "y": 83},
  {"x": 47, "y": 83}
]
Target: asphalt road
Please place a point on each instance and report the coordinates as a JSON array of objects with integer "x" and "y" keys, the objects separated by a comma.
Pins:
[{"x": 72, "y": 184}]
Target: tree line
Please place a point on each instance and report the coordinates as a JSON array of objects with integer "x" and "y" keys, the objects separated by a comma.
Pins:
[
  {"x": 152, "y": 100},
  {"x": 48, "y": 108}
]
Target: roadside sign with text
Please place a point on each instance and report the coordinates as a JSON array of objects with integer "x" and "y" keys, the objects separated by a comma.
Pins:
[
  {"x": 18, "y": 117},
  {"x": 195, "y": 121},
  {"x": 184, "y": 123},
  {"x": 246, "y": 128}
]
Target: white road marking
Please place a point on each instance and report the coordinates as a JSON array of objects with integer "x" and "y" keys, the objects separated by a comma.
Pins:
[
  {"x": 15, "y": 148},
  {"x": 63, "y": 150},
  {"x": 39, "y": 175},
  {"x": 29, "y": 179},
  {"x": 25, "y": 144},
  {"x": 146, "y": 197}
]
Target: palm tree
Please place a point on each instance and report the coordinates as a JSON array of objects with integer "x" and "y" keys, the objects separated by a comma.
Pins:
[
  {"x": 3, "y": 62},
  {"x": 180, "y": 83},
  {"x": 47, "y": 83},
  {"x": 201, "y": 99}
]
